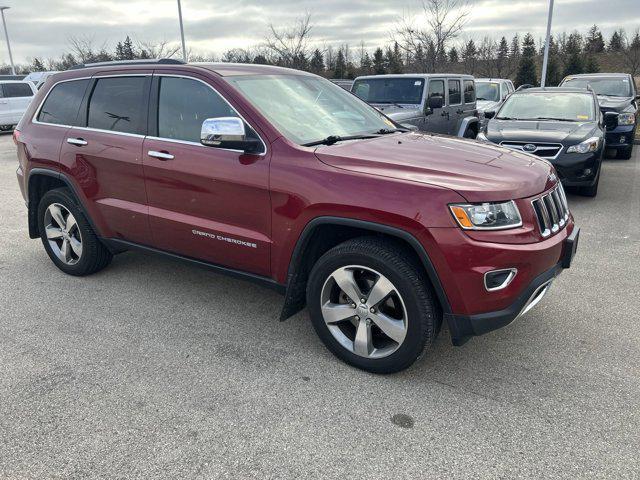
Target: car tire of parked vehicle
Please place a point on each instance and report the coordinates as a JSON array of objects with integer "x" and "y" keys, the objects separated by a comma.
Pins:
[
  {"x": 391, "y": 267},
  {"x": 68, "y": 237},
  {"x": 470, "y": 133},
  {"x": 624, "y": 153}
]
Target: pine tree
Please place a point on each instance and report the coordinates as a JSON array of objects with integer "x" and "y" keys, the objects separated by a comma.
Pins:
[
  {"x": 594, "y": 41},
  {"x": 37, "y": 65},
  {"x": 554, "y": 75},
  {"x": 317, "y": 62},
  {"x": 260, "y": 60},
  {"x": 615, "y": 42},
  {"x": 527, "y": 65},
  {"x": 470, "y": 57},
  {"x": 591, "y": 65},
  {"x": 574, "y": 63},
  {"x": 128, "y": 51},
  {"x": 453, "y": 55},
  {"x": 119, "y": 51},
  {"x": 340, "y": 70},
  {"x": 502, "y": 58},
  {"x": 366, "y": 65},
  {"x": 378, "y": 62},
  {"x": 394, "y": 59}
]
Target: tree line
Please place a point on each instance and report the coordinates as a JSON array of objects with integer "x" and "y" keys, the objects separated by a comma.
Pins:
[{"x": 434, "y": 45}]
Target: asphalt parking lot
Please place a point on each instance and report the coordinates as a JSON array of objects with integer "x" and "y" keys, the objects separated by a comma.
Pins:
[{"x": 155, "y": 369}]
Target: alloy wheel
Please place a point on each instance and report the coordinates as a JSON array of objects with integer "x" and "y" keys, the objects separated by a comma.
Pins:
[
  {"x": 63, "y": 234},
  {"x": 364, "y": 311}
]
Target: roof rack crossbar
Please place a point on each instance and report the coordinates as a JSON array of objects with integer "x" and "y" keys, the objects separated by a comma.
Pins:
[{"x": 151, "y": 61}]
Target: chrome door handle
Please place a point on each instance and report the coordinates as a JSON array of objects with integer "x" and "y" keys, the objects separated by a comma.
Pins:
[
  {"x": 160, "y": 155},
  {"x": 80, "y": 142}
]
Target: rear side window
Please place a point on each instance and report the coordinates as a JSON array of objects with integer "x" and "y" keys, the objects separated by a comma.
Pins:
[
  {"x": 62, "y": 103},
  {"x": 455, "y": 95},
  {"x": 469, "y": 91},
  {"x": 12, "y": 90},
  {"x": 116, "y": 104},
  {"x": 184, "y": 104}
]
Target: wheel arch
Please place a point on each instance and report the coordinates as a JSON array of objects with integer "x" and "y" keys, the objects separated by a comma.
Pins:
[
  {"x": 323, "y": 233},
  {"x": 469, "y": 122}
]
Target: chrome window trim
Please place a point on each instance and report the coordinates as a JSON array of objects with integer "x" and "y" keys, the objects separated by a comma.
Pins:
[
  {"x": 187, "y": 142},
  {"x": 512, "y": 274}
]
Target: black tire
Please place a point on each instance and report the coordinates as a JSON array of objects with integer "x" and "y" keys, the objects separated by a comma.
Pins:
[
  {"x": 423, "y": 314},
  {"x": 624, "y": 153},
  {"x": 95, "y": 256},
  {"x": 470, "y": 133}
]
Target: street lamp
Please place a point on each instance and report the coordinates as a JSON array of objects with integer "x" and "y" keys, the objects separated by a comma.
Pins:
[
  {"x": 545, "y": 60},
  {"x": 6, "y": 35},
  {"x": 184, "y": 48}
]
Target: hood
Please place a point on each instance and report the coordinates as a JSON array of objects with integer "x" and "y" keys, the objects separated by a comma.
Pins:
[
  {"x": 399, "y": 113},
  {"x": 480, "y": 172},
  {"x": 538, "y": 131},
  {"x": 614, "y": 104},
  {"x": 487, "y": 105}
]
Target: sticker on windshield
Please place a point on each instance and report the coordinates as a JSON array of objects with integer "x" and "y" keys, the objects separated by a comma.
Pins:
[
  {"x": 583, "y": 117},
  {"x": 417, "y": 83}
]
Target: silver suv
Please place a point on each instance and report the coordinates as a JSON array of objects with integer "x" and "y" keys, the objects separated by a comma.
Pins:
[
  {"x": 439, "y": 103},
  {"x": 491, "y": 93}
]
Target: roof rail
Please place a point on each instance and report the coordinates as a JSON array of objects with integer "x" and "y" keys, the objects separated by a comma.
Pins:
[{"x": 151, "y": 61}]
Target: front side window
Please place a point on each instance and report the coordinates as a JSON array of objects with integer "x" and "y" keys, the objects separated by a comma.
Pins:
[
  {"x": 389, "y": 90},
  {"x": 62, "y": 103},
  {"x": 469, "y": 91},
  {"x": 308, "y": 109},
  {"x": 608, "y": 86},
  {"x": 436, "y": 88},
  {"x": 561, "y": 106},
  {"x": 116, "y": 104},
  {"x": 184, "y": 104},
  {"x": 12, "y": 90},
  {"x": 487, "y": 91},
  {"x": 455, "y": 95}
]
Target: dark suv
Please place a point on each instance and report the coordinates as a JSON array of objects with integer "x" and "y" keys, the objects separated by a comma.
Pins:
[
  {"x": 617, "y": 95},
  {"x": 284, "y": 178}
]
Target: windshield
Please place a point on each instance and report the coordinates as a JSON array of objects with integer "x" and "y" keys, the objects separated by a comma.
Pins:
[
  {"x": 308, "y": 109},
  {"x": 390, "y": 90},
  {"x": 570, "y": 107},
  {"x": 487, "y": 91},
  {"x": 611, "y": 86}
]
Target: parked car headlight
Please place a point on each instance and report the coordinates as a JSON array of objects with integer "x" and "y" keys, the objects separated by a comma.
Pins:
[
  {"x": 589, "y": 145},
  {"x": 482, "y": 137},
  {"x": 626, "y": 119},
  {"x": 487, "y": 216}
]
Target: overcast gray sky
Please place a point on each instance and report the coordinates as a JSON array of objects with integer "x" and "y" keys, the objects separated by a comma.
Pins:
[{"x": 43, "y": 27}]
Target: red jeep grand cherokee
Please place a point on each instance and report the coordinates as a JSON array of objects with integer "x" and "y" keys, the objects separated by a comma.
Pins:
[{"x": 283, "y": 178}]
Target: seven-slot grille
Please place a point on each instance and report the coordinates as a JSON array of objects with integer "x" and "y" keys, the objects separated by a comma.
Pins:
[
  {"x": 552, "y": 211},
  {"x": 544, "y": 150}
]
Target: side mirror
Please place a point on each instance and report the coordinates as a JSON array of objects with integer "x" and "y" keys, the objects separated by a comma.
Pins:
[
  {"x": 610, "y": 120},
  {"x": 227, "y": 132},
  {"x": 489, "y": 114},
  {"x": 435, "y": 102}
]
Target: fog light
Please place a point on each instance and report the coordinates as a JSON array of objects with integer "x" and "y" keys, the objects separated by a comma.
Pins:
[
  {"x": 623, "y": 139},
  {"x": 499, "y": 279},
  {"x": 587, "y": 172}
]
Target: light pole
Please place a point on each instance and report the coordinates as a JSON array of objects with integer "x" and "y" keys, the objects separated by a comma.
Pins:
[
  {"x": 547, "y": 45},
  {"x": 6, "y": 35},
  {"x": 184, "y": 48}
]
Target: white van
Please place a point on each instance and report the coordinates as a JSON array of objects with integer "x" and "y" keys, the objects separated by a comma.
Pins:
[{"x": 15, "y": 96}]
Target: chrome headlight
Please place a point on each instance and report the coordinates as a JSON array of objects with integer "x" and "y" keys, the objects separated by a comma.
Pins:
[
  {"x": 589, "y": 145},
  {"x": 487, "y": 216},
  {"x": 626, "y": 119}
]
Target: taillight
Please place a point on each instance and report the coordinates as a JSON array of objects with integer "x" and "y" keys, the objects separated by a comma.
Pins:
[{"x": 16, "y": 136}]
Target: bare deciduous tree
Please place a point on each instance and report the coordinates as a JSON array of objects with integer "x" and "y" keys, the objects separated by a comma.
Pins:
[
  {"x": 161, "y": 49},
  {"x": 445, "y": 19},
  {"x": 290, "y": 45}
]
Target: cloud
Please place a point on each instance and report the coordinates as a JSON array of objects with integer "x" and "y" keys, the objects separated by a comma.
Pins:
[{"x": 43, "y": 27}]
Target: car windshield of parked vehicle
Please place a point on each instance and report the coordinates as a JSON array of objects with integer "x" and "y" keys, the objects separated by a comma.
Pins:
[
  {"x": 308, "y": 109},
  {"x": 487, "y": 91},
  {"x": 562, "y": 106},
  {"x": 390, "y": 90},
  {"x": 609, "y": 86}
]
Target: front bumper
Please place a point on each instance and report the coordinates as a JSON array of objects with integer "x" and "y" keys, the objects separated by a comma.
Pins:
[
  {"x": 578, "y": 169},
  {"x": 463, "y": 327},
  {"x": 620, "y": 137}
]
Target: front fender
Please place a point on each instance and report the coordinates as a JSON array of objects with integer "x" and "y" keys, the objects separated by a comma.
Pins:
[{"x": 466, "y": 123}]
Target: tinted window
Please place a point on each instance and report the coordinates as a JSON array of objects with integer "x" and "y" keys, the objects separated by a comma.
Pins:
[
  {"x": 184, "y": 104},
  {"x": 486, "y": 91},
  {"x": 436, "y": 88},
  {"x": 610, "y": 86},
  {"x": 62, "y": 103},
  {"x": 116, "y": 104},
  {"x": 469, "y": 91},
  {"x": 389, "y": 90},
  {"x": 455, "y": 96},
  {"x": 10, "y": 90}
]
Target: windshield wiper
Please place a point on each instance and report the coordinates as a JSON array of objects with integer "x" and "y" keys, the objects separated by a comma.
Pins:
[
  {"x": 331, "y": 139},
  {"x": 385, "y": 131},
  {"x": 552, "y": 118},
  {"x": 390, "y": 103}
]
